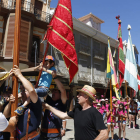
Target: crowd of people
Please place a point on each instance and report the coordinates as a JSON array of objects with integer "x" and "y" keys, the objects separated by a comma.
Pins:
[
  {"x": 124, "y": 112},
  {"x": 40, "y": 116}
]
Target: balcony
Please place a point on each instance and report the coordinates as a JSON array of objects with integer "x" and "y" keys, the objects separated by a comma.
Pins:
[
  {"x": 28, "y": 7},
  {"x": 1, "y": 49}
]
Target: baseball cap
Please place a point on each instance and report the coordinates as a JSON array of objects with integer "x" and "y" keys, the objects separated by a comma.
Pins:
[
  {"x": 98, "y": 104},
  {"x": 106, "y": 99},
  {"x": 102, "y": 100},
  {"x": 49, "y": 57},
  {"x": 3, "y": 122}
]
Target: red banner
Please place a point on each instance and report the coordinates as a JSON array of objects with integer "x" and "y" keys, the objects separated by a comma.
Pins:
[
  {"x": 120, "y": 53},
  {"x": 60, "y": 35}
]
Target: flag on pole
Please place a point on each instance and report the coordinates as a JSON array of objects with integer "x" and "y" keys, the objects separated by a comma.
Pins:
[
  {"x": 138, "y": 82},
  {"x": 111, "y": 72},
  {"x": 60, "y": 35},
  {"x": 130, "y": 74},
  {"x": 120, "y": 54}
]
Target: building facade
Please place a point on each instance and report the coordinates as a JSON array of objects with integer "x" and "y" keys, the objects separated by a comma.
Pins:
[{"x": 91, "y": 45}]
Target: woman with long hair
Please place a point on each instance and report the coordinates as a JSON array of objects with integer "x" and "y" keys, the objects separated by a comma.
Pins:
[
  {"x": 103, "y": 108},
  {"x": 115, "y": 107},
  {"x": 132, "y": 114},
  {"x": 122, "y": 115},
  {"x": 110, "y": 121}
]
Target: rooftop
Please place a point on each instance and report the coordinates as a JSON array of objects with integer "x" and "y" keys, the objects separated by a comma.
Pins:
[{"x": 90, "y": 15}]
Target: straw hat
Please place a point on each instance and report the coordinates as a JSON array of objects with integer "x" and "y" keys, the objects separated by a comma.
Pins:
[
  {"x": 3, "y": 73},
  {"x": 88, "y": 90}
]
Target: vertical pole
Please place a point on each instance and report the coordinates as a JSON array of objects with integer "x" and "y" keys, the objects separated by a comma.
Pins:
[
  {"x": 91, "y": 62},
  {"x": 16, "y": 58},
  {"x": 111, "y": 98}
]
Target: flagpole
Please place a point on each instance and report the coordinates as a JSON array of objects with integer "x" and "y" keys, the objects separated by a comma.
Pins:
[
  {"x": 111, "y": 99},
  {"x": 16, "y": 59}
]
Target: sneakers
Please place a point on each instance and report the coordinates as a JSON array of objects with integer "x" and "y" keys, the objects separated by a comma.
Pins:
[
  {"x": 19, "y": 110},
  {"x": 128, "y": 127},
  {"x": 133, "y": 128}
]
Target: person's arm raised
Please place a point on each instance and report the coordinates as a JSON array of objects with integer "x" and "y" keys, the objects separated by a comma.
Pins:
[
  {"x": 58, "y": 113},
  {"x": 62, "y": 90},
  {"x": 28, "y": 86}
]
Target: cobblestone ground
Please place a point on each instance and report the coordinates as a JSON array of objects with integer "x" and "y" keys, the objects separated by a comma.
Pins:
[{"x": 130, "y": 133}]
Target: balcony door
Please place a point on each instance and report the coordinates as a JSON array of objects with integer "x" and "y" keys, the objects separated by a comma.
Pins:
[{"x": 35, "y": 49}]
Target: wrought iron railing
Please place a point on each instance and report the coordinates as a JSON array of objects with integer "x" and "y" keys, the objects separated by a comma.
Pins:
[
  {"x": 26, "y": 6},
  {"x": 1, "y": 48},
  {"x": 41, "y": 15}
]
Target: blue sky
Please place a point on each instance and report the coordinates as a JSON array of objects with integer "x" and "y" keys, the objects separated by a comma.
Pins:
[{"x": 107, "y": 10}]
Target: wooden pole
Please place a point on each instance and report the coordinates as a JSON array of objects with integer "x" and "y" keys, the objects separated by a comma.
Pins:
[
  {"x": 16, "y": 59},
  {"x": 111, "y": 99},
  {"x": 43, "y": 64}
]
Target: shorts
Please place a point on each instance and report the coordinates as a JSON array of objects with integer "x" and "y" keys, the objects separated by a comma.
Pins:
[
  {"x": 131, "y": 113},
  {"x": 42, "y": 92},
  {"x": 109, "y": 123},
  {"x": 123, "y": 122}
]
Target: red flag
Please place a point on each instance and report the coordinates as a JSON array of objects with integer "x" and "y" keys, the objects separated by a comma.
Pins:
[
  {"x": 138, "y": 82},
  {"x": 120, "y": 53},
  {"x": 60, "y": 35}
]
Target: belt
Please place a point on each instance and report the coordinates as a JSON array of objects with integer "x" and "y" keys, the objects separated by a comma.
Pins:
[
  {"x": 42, "y": 87},
  {"x": 51, "y": 130},
  {"x": 31, "y": 135}
]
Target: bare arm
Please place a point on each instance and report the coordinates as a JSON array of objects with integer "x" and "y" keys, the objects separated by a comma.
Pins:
[
  {"x": 103, "y": 135},
  {"x": 64, "y": 122},
  {"x": 28, "y": 86},
  {"x": 58, "y": 113},
  {"x": 7, "y": 110},
  {"x": 62, "y": 90},
  {"x": 125, "y": 116},
  {"x": 12, "y": 124}
]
